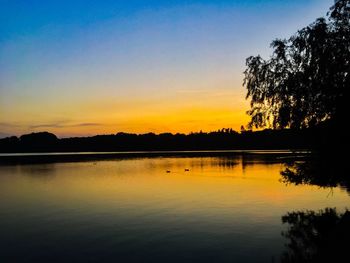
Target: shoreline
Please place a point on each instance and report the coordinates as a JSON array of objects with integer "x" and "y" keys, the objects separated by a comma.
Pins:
[{"x": 53, "y": 157}]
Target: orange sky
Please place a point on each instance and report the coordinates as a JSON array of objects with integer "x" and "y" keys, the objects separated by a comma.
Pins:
[
  {"x": 178, "y": 112},
  {"x": 76, "y": 69}
]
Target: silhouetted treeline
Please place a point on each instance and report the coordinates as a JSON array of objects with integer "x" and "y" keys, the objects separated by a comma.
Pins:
[{"x": 225, "y": 139}]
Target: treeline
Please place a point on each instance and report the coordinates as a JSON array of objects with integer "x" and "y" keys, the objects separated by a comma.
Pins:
[{"x": 225, "y": 139}]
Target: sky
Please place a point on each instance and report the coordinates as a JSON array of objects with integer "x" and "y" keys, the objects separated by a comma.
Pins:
[{"x": 83, "y": 67}]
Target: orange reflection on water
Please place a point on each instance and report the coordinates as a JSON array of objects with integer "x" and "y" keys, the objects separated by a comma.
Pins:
[{"x": 213, "y": 186}]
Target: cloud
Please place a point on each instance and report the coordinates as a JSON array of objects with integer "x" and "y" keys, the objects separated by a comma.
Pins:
[
  {"x": 86, "y": 124},
  {"x": 192, "y": 91},
  {"x": 206, "y": 92},
  {"x": 8, "y": 124},
  {"x": 60, "y": 125},
  {"x": 46, "y": 126}
]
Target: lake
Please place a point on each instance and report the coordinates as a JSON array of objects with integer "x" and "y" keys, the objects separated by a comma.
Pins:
[{"x": 159, "y": 209}]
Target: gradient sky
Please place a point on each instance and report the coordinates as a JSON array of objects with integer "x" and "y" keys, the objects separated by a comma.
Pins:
[{"x": 83, "y": 67}]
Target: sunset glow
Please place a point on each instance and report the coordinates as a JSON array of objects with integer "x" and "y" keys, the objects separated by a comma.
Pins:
[{"x": 134, "y": 66}]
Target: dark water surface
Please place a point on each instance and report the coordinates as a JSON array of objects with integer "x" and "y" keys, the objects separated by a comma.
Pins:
[{"x": 223, "y": 209}]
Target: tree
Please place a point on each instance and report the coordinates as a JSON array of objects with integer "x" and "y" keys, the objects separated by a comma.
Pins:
[{"x": 303, "y": 83}]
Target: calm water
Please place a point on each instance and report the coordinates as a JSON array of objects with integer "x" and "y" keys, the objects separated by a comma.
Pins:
[{"x": 224, "y": 209}]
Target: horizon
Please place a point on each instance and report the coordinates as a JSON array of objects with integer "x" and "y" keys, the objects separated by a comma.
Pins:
[
  {"x": 95, "y": 68},
  {"x": 131, "y": 133}
]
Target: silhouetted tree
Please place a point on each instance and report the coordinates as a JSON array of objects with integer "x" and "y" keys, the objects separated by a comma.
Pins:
[
  {"x": 303, "y": 83},
  {"x": 41, "y": 141}
]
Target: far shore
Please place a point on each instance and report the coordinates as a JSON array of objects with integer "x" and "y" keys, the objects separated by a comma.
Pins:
[{"x": 52, "y": 157}]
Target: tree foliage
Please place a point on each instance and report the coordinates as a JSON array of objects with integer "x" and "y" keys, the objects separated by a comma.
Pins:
[{"x": 303, "y": 83}]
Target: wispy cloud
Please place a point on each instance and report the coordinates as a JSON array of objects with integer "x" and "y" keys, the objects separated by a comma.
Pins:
[
  {"x": 86, "y": 124},
  {"x": 206, "y": 92},
  {"x": 53, "y": 125},
  {"x": 60, "y": 125},
  {"x": 8, "y": 124},
  {"x": 192, "y": 91}
]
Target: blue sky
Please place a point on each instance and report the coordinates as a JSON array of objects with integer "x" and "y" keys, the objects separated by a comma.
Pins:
[{"x": 134, "y": 66}]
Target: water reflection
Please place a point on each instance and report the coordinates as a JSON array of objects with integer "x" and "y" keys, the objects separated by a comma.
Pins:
[
  {"x": 321, "y": 170},
  {"x": 44, "y": 171},
  {"x": 317, "y": 235},
  {"x": 206, "y": 209},
  {"x": 322, "y": 236}
]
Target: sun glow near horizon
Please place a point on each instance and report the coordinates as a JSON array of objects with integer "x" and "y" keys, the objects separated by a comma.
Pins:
[
  {"x": 183, "y": 113},
  {"x": 77, "y": 69}
]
